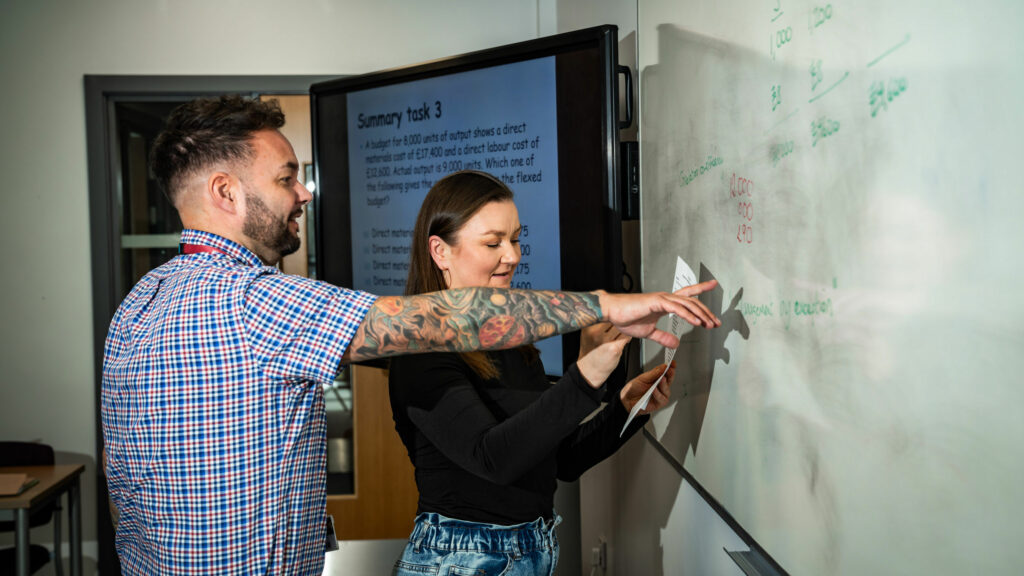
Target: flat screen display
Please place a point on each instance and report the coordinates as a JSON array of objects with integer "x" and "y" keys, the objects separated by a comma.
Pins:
[{"x": 539, "y": 115}]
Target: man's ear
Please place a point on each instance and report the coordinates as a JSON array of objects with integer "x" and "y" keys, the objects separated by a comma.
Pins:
[
  {"x": 439, "y": 251},
  {"x": 224, "y": 192}
]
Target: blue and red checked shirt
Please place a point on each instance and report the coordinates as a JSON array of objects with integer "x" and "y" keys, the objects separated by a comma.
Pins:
[{"x": 213, "y": 413}]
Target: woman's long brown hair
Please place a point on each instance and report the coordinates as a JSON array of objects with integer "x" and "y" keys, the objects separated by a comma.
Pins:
[{"x": 451, "y": 202}]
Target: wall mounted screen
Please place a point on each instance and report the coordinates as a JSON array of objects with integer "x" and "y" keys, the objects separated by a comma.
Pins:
[{"x": 539, "y": 115}]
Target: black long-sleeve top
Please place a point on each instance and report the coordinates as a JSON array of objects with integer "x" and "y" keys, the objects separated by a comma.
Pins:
[{"x": 490, "y": 450}]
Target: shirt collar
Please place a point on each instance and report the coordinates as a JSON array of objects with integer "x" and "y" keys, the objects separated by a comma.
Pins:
[{"x": 229, "y": 247}]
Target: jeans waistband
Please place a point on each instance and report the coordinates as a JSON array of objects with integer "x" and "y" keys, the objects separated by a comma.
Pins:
[{"x": 439, "y": 532}]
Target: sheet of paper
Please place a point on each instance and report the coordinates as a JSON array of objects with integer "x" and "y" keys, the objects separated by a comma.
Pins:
[{"x": 684, "y": 276}]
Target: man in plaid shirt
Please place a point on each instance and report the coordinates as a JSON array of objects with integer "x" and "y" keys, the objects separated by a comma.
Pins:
[{"x": 212, "y": 406}]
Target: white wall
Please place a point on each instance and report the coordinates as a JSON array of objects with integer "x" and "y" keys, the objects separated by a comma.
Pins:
[{"x": 46, "y": 46}]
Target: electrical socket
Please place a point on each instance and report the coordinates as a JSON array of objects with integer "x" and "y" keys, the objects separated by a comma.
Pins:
[{"x": 599, "y": 555}]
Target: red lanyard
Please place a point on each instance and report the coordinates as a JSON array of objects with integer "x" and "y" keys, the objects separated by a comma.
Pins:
[{"x": 197, "y": 248}]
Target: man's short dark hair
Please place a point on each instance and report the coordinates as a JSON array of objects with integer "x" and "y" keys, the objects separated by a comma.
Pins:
[{"x": 208, "y": 131}]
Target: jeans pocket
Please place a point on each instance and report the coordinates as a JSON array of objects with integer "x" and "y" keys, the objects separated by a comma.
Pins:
[
  {"x": 407, "y": 569},
  {"x": 478, "y": 564}
]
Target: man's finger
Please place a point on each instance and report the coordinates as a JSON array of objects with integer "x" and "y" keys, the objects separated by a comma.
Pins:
[
  {"x": 704, "y": 309},
  {"x": 700, "y": 315},
  {"x": 696, "y": 289},
  {"x": 664, "y": 338},
  {"x": 681, "y": 308}
]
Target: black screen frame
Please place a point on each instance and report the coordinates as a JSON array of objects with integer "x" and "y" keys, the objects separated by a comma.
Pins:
[{"x": 590, "y": 230}]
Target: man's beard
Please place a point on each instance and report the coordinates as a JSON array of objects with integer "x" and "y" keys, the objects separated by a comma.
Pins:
[{"x": 261, "y": 225}]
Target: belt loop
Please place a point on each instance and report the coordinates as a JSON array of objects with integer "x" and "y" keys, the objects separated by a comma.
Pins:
[
  {"x": 419, "y": 533},
  {"x": 516, "y": 553},
  {"x": 416, "y": 544},
  {"x": 551, "y": 536}
]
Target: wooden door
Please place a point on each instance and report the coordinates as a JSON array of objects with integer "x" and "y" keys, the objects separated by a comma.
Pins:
[{"x": 384, "y": 503}]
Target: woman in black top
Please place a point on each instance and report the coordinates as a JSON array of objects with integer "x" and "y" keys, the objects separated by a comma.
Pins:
[{"x": 486, "y": 432}]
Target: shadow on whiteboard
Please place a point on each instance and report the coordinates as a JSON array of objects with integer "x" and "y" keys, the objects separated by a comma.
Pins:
[
  {"x": 658, "y": 514},
  {"x": 678, "y": 427}
]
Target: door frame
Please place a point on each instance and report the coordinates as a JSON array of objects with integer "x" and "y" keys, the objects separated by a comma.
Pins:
[{"x": 101, "y": 93}]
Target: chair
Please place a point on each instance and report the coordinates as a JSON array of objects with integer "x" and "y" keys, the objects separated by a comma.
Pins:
[{"x": 31, "y": 454}]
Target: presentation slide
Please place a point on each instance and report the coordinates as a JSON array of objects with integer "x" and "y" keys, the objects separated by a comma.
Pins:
[{"x": 404, "y": 137}]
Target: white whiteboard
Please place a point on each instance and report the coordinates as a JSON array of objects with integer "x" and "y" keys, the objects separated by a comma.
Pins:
[{"x": 851, "y": 173}]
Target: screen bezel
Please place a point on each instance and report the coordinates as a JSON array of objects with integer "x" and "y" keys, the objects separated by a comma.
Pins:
[{"x": 589, "y": 211}]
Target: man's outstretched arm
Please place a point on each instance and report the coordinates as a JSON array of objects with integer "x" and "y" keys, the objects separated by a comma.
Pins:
[{"x": 467, "y": 319}]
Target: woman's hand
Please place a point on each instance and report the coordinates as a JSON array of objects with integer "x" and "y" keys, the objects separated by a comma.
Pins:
[
  {"x": 635, "y": 389},
  {"x": 601, "y": 347},
  {"x": 593, "y": 336}
]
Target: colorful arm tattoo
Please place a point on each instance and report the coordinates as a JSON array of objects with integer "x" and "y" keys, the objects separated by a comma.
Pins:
[{"x": 468, "y": 319}]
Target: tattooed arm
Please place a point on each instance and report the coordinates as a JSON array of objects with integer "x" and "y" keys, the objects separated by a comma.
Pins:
[{"x": 467, "y": 319}]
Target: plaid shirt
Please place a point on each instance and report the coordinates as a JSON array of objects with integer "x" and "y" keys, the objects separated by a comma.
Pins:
[{"x": 213, "y": 413}]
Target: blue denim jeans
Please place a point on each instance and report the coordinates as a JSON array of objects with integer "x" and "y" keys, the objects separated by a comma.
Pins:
[{"x": 445, "y": 546}]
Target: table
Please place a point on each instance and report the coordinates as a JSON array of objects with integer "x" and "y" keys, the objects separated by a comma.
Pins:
[{"x": 53, "y": 481}]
